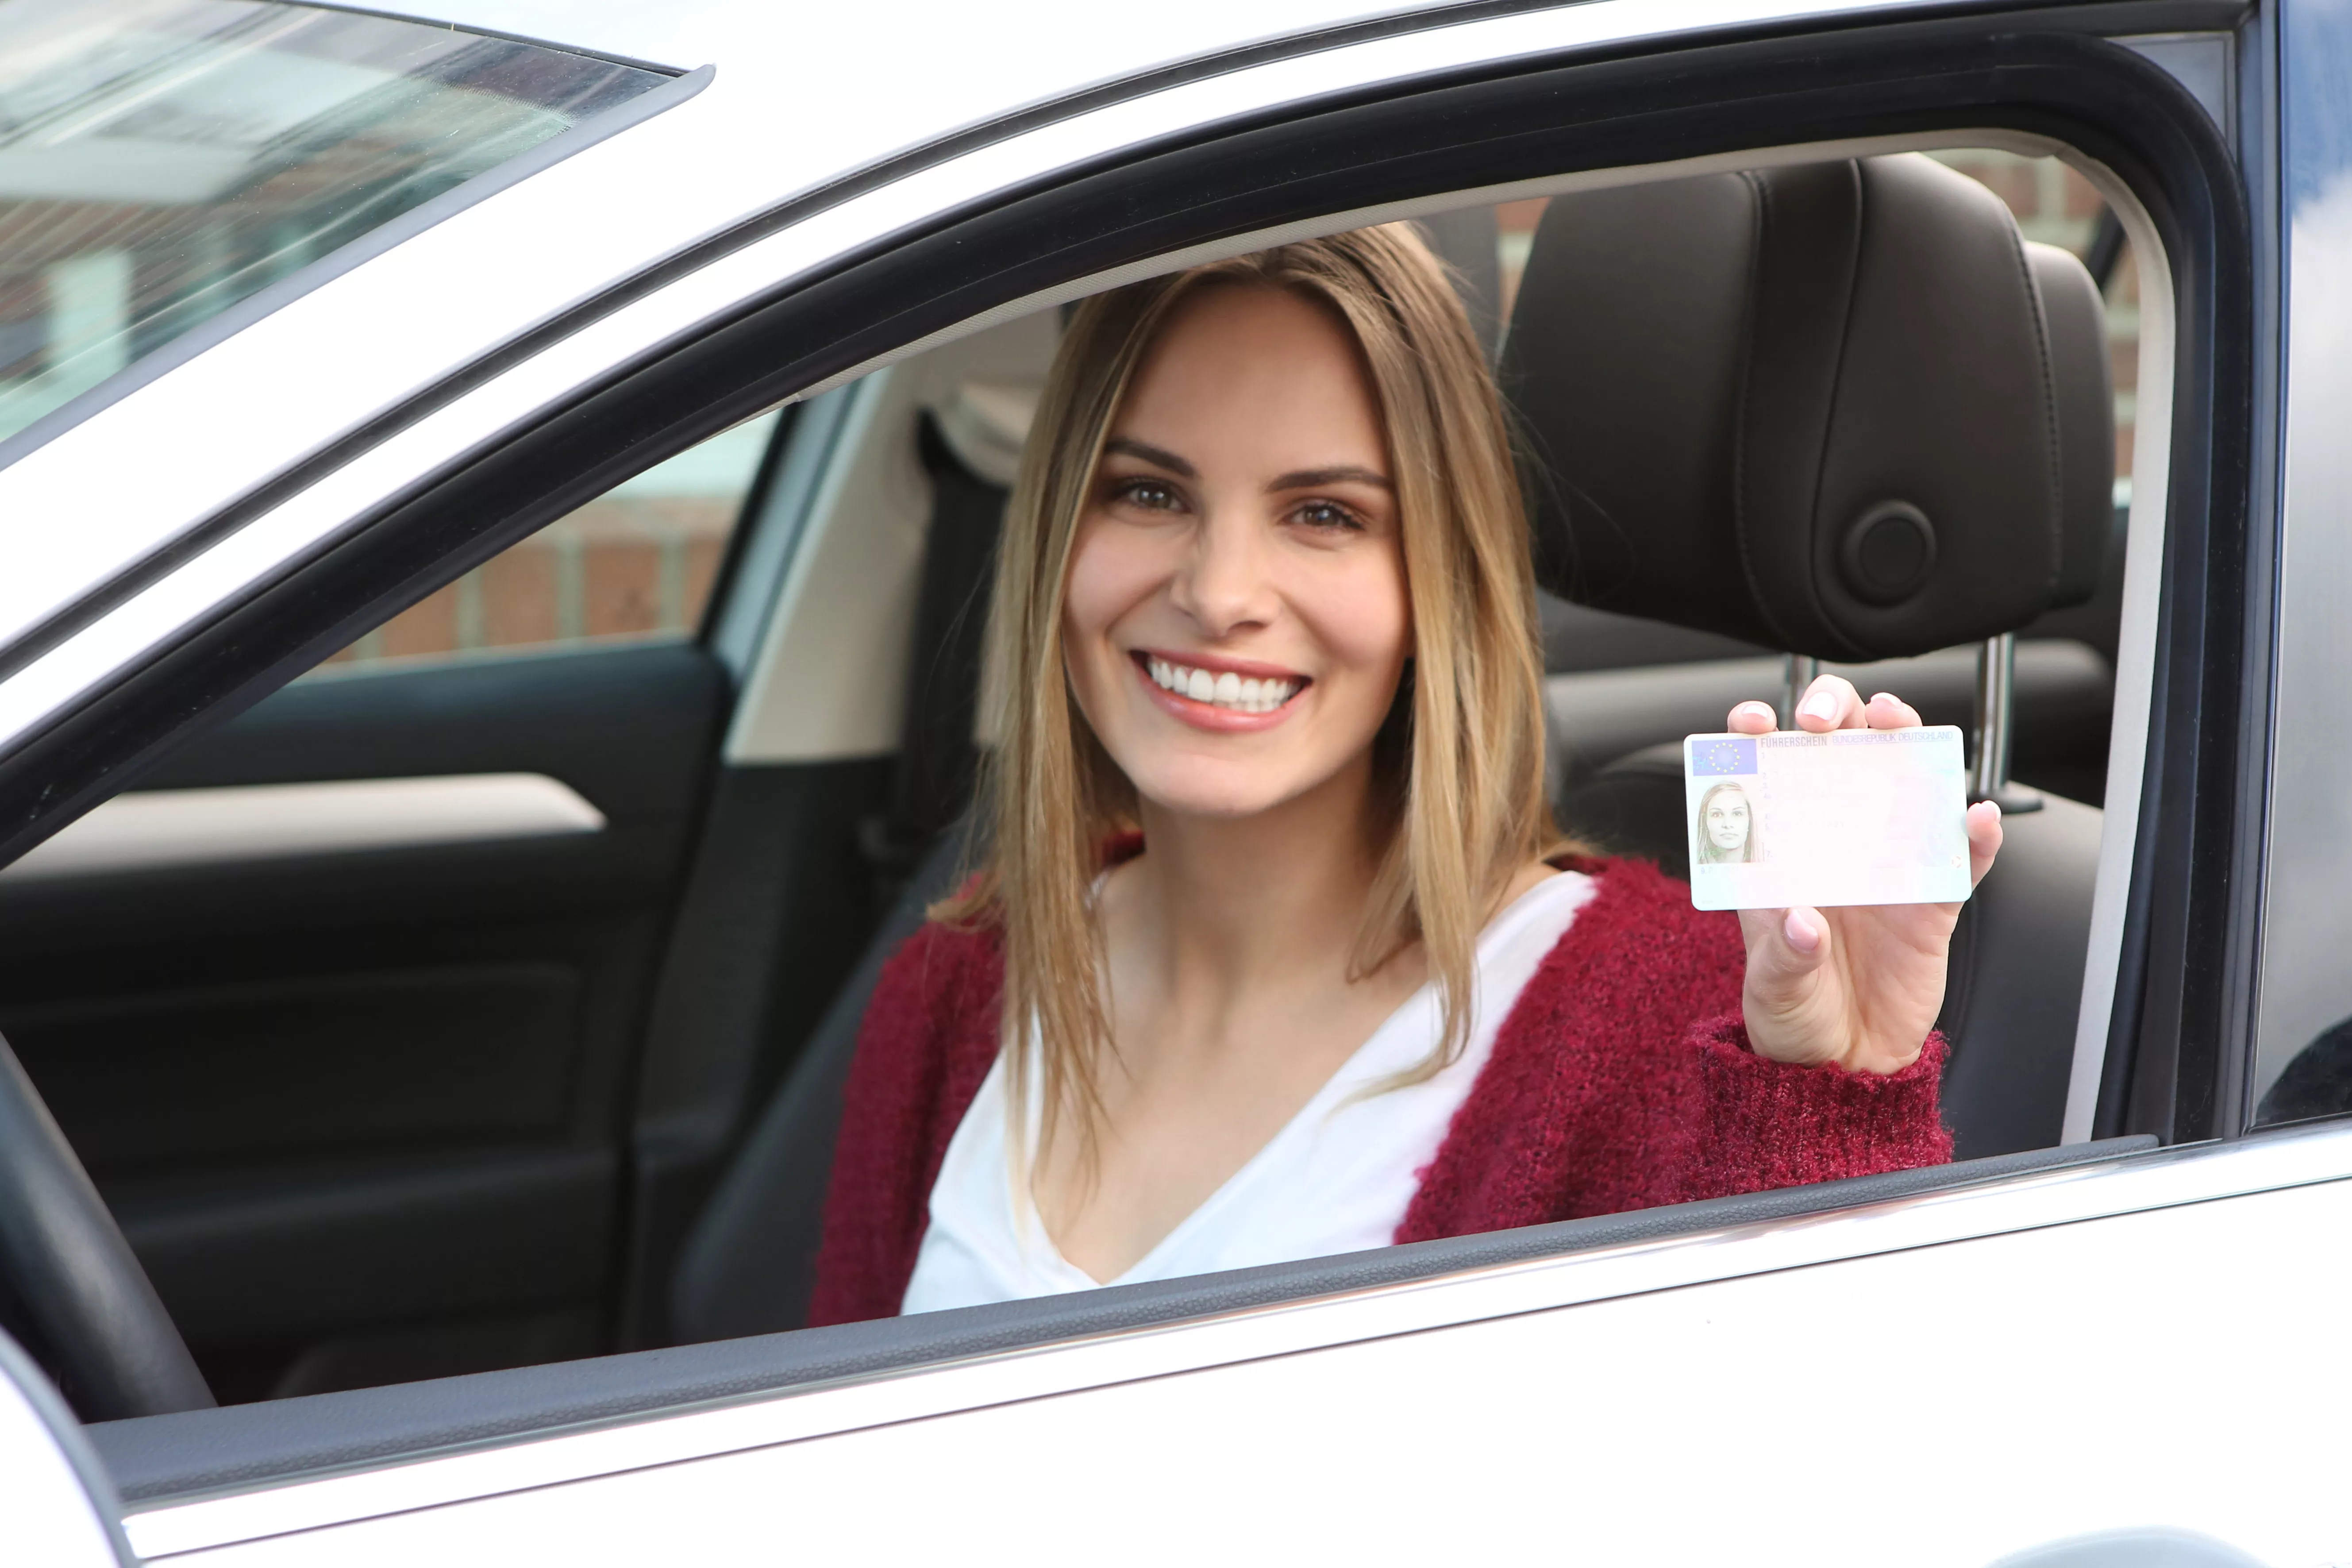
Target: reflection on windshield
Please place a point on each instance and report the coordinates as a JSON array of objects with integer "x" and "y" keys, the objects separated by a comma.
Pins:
[{"x": 161, "y": 160}]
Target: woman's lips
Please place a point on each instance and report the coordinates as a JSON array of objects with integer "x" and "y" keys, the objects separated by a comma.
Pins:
[{"x": 1225, "y": 696}]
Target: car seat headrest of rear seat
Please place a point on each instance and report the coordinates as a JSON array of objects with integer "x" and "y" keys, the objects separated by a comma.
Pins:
[{"x": 1838, "y": 409}]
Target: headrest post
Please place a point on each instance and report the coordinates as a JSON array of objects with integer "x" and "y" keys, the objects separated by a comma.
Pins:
[
  {"x": 1988, "y": 763},
  {"x": 1797, "y": 672}
]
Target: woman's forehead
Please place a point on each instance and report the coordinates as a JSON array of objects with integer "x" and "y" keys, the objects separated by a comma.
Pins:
[{"x": 1252, "y": 367}]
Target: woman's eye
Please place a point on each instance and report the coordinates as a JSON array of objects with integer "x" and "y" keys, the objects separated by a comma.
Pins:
[
  {"x": 1149, "y": 494},
  {"x": 1324, "y": 514}
]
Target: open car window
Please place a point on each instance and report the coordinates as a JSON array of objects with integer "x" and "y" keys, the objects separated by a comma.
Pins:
[{"x": 849, "y": 633}]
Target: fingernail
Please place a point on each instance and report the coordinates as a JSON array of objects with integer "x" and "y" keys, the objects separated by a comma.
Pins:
[
  {"x": 1755, "y": 709},
  {"x": 1801, "y": 932},
  {"x": 1821, "y": 705}
]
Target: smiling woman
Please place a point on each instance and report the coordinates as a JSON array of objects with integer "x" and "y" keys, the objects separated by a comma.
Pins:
[{"x": 1275, "y": 952}]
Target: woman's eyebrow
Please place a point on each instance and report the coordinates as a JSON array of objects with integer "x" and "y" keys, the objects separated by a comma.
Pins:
[
  {"x": 1344, "y": 473},
  {"x": 1128, "y": 446}
]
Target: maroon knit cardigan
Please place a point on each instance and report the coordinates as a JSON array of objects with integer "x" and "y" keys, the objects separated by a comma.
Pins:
[{"x": 1619, "y": 1080}]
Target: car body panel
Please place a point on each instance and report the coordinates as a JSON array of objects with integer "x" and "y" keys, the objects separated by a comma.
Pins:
[
  {"x": 61, "y": 1509},
  {"x": 1626, "y": 1377}
]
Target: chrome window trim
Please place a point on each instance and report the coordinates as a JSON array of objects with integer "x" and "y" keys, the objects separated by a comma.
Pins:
[{"x": 2130, "y": 1185}]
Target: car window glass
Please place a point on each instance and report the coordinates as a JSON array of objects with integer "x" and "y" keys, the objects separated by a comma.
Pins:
[
  {"x": 636, "y": 563},
  {"x": 162, "y": 160}
]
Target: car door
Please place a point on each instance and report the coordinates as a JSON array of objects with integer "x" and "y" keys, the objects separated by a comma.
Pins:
[
  {"x": 344, "y": 1006},
  {"x": 1580, "y": 1370}
]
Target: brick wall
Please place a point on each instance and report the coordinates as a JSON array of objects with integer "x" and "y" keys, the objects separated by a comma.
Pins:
[
  {"x": 621, "y": 566},
  {"x": 637, "y": 563}
]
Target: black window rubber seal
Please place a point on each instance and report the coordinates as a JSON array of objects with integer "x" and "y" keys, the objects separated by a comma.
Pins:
[
  {"x": 155, "y": 1459},
  {"x": 2033, "y": 71}
]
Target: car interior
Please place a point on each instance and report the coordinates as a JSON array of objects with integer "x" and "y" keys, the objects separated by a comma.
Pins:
[{"x": 419, "y": 1102}]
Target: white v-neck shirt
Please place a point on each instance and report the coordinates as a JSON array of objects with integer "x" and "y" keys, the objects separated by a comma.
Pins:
[{"x": 1338, "y": 1177}]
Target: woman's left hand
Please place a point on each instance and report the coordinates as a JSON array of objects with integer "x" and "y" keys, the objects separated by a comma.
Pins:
[{"x": 1859, "y": 986}]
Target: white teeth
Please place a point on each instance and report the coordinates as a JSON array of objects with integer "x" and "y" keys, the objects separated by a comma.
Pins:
[{"x": 1225, "y": 689}]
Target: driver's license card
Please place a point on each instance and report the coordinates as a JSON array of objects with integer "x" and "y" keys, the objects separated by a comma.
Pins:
[{"x": 1854, "y": 816}]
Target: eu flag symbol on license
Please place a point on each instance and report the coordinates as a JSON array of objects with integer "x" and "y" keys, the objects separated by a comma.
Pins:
[{"x": 1723, "y": 755}]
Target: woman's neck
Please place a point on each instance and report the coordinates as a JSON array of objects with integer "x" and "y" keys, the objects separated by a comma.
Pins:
[{"x": 1227, "y": 904}]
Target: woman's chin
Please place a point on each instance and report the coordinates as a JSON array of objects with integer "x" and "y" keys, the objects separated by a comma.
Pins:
[{"x": 1221, "y": 797}]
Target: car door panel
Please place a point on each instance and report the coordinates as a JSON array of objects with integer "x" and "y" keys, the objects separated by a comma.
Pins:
[
  {"x": 353, "y": 1092},
  {"x": 300, "y": 1251},
  {"x": 311, "y": 1064}
]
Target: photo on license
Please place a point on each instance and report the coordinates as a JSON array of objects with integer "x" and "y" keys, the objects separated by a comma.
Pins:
[{"x": 1854, "y": 816}]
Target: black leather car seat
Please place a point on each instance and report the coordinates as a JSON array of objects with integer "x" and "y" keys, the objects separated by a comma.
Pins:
[
  {"x": 1842, "y": 410},
  {"x": 749, "y": 1261}
]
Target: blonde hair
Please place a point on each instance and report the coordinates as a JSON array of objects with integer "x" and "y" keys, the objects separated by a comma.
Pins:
[{"x": 1461, "y": 760}]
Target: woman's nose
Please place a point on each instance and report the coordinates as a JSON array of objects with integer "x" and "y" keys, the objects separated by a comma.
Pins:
[{"x": 1224, "y": 585}]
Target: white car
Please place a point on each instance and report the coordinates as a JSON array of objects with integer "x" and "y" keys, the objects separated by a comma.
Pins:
[{"x": 490, "y": 508}]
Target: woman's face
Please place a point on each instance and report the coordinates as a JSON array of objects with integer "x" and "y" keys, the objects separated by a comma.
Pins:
[
  {"x": 1237, "y": 621},
  {"x": 1726, "y": 819}
]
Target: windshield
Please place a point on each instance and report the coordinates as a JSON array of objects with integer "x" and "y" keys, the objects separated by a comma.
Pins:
[{"x": 161, "y": 160}]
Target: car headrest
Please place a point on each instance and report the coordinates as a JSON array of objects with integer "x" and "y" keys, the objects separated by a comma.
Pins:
[{"x": 1839, "y": 409}]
